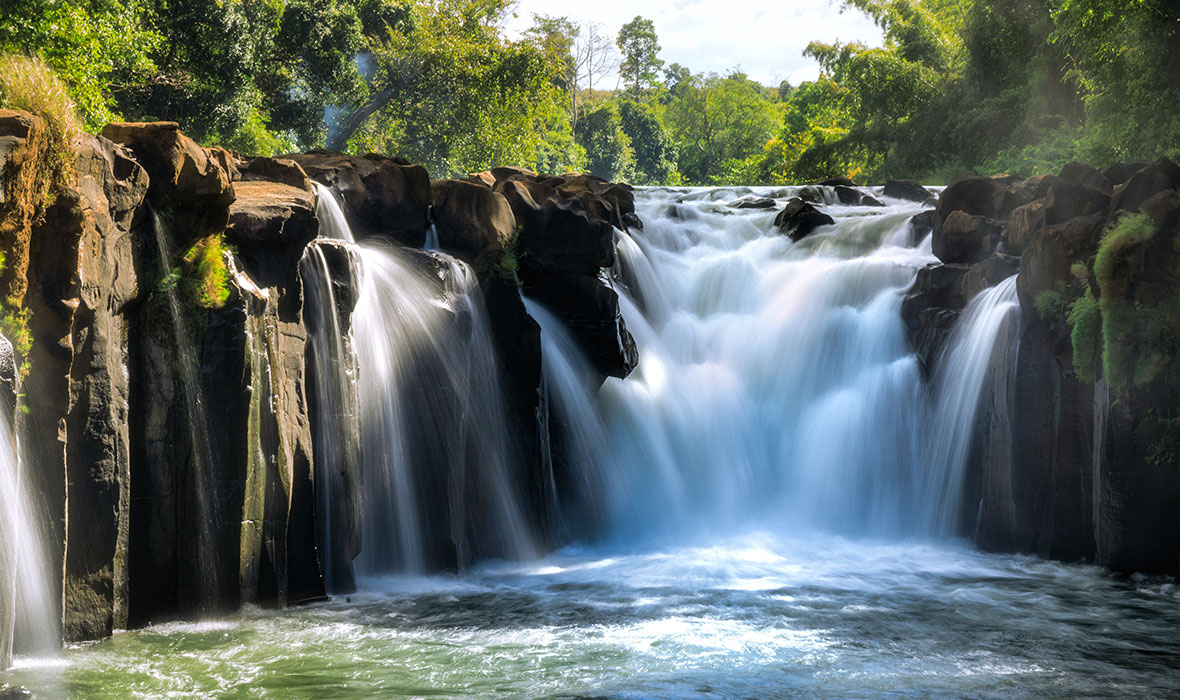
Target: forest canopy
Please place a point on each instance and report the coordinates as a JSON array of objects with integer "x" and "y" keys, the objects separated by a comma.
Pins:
[{"x": 1017, "y": 86}]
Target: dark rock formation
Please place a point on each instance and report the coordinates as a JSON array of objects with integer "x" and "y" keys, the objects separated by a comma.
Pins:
[
  {"x": 908, "y": 190},
  {"x": 383, "y": 196},
  {"x": 474, "y": 223},
  {"x": 965, "y": 238},
  {"x": 799, "y": 218}
]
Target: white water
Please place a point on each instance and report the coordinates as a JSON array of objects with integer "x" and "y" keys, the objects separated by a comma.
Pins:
[
  {"x": 433, "y": 425},
  {"x": 775, "y": 383},
  {"x": 31, "y": 616}
]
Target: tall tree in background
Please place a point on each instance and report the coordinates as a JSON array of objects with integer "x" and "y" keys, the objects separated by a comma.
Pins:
[{"x": 640, "y": 47}]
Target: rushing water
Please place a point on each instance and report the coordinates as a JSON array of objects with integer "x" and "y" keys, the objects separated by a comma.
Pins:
[{"x": 774, "y": 483}]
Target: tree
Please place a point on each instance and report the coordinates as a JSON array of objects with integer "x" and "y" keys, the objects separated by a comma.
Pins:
[
  {"x": 716, "y": 120},
  {"x": 607, "y": 146},
  {"x": 655, "y": 154},
  {"x": 640, "y": 46}
]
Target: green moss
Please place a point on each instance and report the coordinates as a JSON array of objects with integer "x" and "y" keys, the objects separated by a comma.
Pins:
[
  {"x": 1053, "y": 305},
  {"x": 507, "y": 263},
  {"x": 1085, "y": 321},
  {"x": 204, "y": 274}
]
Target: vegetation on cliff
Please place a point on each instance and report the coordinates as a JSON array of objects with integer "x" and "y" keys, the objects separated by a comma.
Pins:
[{"x": 1019, "y": 86}]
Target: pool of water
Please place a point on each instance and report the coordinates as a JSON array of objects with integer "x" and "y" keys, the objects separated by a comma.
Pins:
[{"x": 756, "y": 616}]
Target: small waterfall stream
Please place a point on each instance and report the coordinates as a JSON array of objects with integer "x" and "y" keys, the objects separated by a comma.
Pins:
[
  {"x": 201, "y": 455},
  {"x": 432, "y": 429}
]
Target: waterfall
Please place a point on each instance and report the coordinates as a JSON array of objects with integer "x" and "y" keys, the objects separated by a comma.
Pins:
[
  {"x": 963, "y": 371},
  {"x": 206, "y": 519},
  {"x": 433, "y": 425},
  {"x": 29, "y": 622},
  {"x": 775, "y": 383},
  {"x": 568, "y": 387}
]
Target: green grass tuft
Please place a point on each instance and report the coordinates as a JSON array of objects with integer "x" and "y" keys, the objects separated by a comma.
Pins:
[
  {"x": 29, "y": 84},
  {"x": 205, "y": 274}
]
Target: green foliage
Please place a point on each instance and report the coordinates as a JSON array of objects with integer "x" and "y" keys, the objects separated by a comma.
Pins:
[
  {"x": 1085, "y": 320},
  {"x": 655, "y": 153},
  {"x": 717, "y": 120},
  {"x": 640, "y": 46},
  {"x": 607, "y": 145},
  {"x": 1053, "y": 305},
  {"x": 97, "y": 48},
  {"x": 204, "y": 274},
  {"x": 507, "y": 263},
  {"x": 14, "y": 325},
  {"x": 31, "y": 85}
]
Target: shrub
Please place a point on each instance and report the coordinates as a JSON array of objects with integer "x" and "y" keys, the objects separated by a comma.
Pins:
[
  {"x": 29, "y": 84},
  {"x": 205, "y": 277},
  {"x": 1085, "y": 321}
]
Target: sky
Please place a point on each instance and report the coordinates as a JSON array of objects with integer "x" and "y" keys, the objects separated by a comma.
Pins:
[{"x": 765, "y": 38}]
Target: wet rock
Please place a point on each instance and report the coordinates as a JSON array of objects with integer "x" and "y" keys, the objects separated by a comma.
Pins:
[
  {"x": 270, "y": 224},
  {"x": 908, "y": 190},
  {"x": 854, "y": 197},
  {"x": 591, "y": 311},
  {"x": 754, "y": 203},
  {"x": 837, "y": 182},
  {"x": 813, "y": 195},
  {"x": 1023, "y": 224},
  {"x": 1140, "y": 187},
  {"x": 930, "y": 309},
  {"x": 965, "y": 238},
  {"x": 989, "y": 272},
  {"x": 799, "y": 218},
  {"x": 383, "y": 196},
  {"x": 474, "y": 223},
  {"x": 1049, "y": 260},
  {"x": 1066, "y": 201},
  {"x": 971, "y": 194},
  {"x": 920, "y": 226},
  {"x": 560, "y": 235},
  {"x": 84, "y": 268}
]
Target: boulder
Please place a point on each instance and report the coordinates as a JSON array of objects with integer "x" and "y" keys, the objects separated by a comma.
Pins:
[
  {"x": 1066, "y": 200},
  {"x": 271, "y": 224},
  {"x": 930, "y": 309},
  {"x": 186, "y": 180},
  {"x": 965, "y": 238},
  {"x": 989, "y": 272},
  {"x": 799, "y": 218},
  {"x": 1023, "y": 224},
  {"x": 811, "y": 194},
  {"x": 841, "y": 181},
  {"x": 1081, "y": 174},
  {"x": 282, "y": 170},
  {"x": 1047, "y": 262},
  {"x": 854, "y": 197},
  {"x": 1140, "y": 187},
  {"x": 920, "y": 226},
  {"x": 474, "y": 223},
  {"x": 971, "y": 194},
  {"x": 559, "y": 235},
  {"x": 1119, "y": 173},
  {"x": 383, "y": 196},
  {"x": 908, "y": 190},
  {"x": 754, "y": 203}
]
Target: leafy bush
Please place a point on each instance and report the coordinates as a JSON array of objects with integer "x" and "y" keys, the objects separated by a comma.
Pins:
[
  {"x": 1085, "y": 320},
  {"x": 30, "y": 85},
  {"x": 205, "y": 277}
]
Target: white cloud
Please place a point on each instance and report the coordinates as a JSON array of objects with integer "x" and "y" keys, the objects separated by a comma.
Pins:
[{"x": 765, "y": 38}]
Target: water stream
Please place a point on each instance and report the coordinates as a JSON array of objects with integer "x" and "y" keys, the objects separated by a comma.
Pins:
[{"x": 772, "y": 495}]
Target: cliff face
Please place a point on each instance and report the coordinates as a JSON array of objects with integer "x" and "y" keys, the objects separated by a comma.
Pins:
[
  {"x": 166, "y": 412},
  {"x": 1075, "y": 455}
]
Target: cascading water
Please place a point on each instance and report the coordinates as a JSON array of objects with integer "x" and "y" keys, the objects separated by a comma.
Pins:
[
  {"x": 960, "y": 379},
  {"x": 775, "y": 397},
  {"x": 774, "y": 379},
  {"x": 433, "y": 426},
  {"x": 206, "y": 519},
  {"x": 28, "y": 622}
]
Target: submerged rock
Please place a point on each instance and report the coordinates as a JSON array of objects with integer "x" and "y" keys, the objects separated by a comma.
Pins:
[{"x": 799, "y": 218}]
